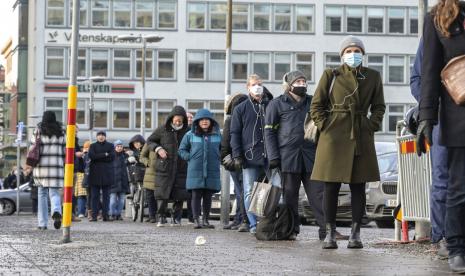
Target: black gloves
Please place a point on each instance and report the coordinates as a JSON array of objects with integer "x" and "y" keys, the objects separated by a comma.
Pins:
[
  {"x": 238, "y": 163},
  {"x": 228, "y": 163},
  {"x": 276, "y": 163},
  {"x": 425, "y": 131}
]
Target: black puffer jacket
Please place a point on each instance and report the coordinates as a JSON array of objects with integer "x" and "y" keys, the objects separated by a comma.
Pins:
[
  {"x": 136, "y": 170},
  {"x": 226, "y": 137},
  {"x": 121, "y": 182},
  {"x": 170, "y": 173},
  {"x": 101, "y": 164}
]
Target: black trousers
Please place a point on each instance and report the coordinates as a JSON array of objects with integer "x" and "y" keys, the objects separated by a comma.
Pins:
[
  {"x": 357, "y": 200},
  {"x": 95, "y": 194},
  {"x": 314, "y": 190},
  {"x": 163, "y": 203},
  {"x": 151, "y": 202},
  {"x": 455, "y": 204},
  {"x": 201, "y": 198}
]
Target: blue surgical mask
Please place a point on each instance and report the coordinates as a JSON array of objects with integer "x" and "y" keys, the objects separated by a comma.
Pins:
[{"x": 352, "y": 59}]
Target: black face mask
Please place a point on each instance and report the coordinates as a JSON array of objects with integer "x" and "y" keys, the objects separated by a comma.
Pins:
[{"x": 299, "y": 90}]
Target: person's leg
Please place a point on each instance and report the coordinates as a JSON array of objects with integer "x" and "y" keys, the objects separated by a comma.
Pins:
[
  {"x": 161, "y": 211},
  {"x": 55, "y": 205},
  {"x": 315, "y": 191},
  {"x": 105, "y": 201},
  {"x": 82, "y": 205},
  {"x": 177, "y": 212},
  {"x": 120, "y": 205},
  {"x": 358, "y": 201},
  {"x": 239, "y": 195},
  {"x": 249, "y": 176},
  {"x": 95, "y": 201},
  {"x": 207, "y": 205},
  {"x": 455, "y": 212},
  {"x": 113, "y": 202},
  {"x": 196, "y": 200},
  {"x": 89, "y": 202},
  {"x": 150, "y": 196},
  {"x": 330, "y": 199},
  {"x": 190, "y": 216},
  {"x": 291, "y": 185},
  {"x": 42, "y": 212},
  {"x": 438, "y": 197}
]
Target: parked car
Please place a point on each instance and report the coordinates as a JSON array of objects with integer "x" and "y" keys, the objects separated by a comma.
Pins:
[
  {"x": 8, "y": 199},
  {"x": 344, "y": 208},
  {"x": 382, "y": 195}
]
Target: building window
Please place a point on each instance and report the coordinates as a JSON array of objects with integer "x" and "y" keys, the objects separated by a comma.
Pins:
[
  {"x": 332, "y": 61},
  {"x": 57, "y": 107},
  {"x": 166, "y": 62},
  {"x": 239, "y": 66},
  {"x": 122, "y": 63},
  {"x": 413, "y": 20},
  {"x": 217, "y": 108},
  {"x": 354, "y": 19},
  {"x": 396, "y": 67},
  {"x": 121, "y": 14},
  {"x": 411, "y": 64},
  {"x": 55, "y": 58},
  {"x": 261, "y": 65},
  {"x": 376, "y": 63},
  {"x": 148, "y": 64},
  {"x": 144, "y": 13},
  {"x": 196, "y": 65},
  {"x": 304, "y": 18},
  {"x": 282, "y": 65},
  {"x": 101, "y": 114},
  {"x": 82, "y": 12},
  {"x": 304, "y": 63},
  {"x": 163, "y": 111},
  {"x": 55, "y": 13},
  {"x": 240, "y": 20},
  {"x": 261, "y": 17},
  {"x": 218, "y": 16},
  {"x": 166, "y": 15},
  {"x": 282, "y": 18},
  {"x": 121, "y": 114},
  {"x": 375, "y": 20},
  {"x": 395, "y": 114},
  {"x": 100, "y": 13},
  {"x": 197, "y": 14},
  {"x": 333, "y": 21},
  {"x": 82, "y": 68},
  {"x": 396, "y": 20},
  {"x": 81, "y": 116},
  {"x": 99, "y": 63},
  {"x": 216, "y": 67},
  {"x": 148, "y": 114}
]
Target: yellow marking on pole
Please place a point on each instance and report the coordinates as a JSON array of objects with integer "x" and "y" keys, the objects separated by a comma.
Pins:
[
  {"x": 72, "y": 96},
  {"x": 69, "y": 175},
  {"x": 67, "y": 209},
  {"x": 70, "y": 136}
]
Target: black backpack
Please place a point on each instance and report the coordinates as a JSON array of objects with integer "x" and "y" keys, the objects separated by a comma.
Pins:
[{"x": 278, "y": 226}]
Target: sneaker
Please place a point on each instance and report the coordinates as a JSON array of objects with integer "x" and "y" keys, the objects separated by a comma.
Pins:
[
  {"x": 253, "y": 230},
  {"x": 292, "y": 237},
  {"x": 119, "y": 217},
  {"x": 190, "y": 221},
  {"x": 231, "y": 225},
  {"x": 244, "y": 227},
  {"x": 81, "y": 216},
  {"x": 176, "y": 223},
  {"x": 56, "y": 220},
  {"x": 42, "y": 228},
  {"x": 92, "y": 219},
  {"x": 161, "y": 224},
  {"x": 443, "y": 252}
]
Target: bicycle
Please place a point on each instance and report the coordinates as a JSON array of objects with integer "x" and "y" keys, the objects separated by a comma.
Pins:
[{"x": 137, "y": 193}]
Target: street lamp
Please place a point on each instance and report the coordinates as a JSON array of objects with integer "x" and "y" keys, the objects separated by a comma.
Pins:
[
  {"x": 153, "y": 38},
  {"x": 92, "y": 80}
]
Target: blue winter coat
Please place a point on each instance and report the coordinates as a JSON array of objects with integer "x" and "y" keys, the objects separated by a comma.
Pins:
[
  {"x": 247, "y": 126},
  {"x": 121, "y": 179},
  {"x": 202, "y": 152},
  {"x": 284, "y": 134},
  {"x": 415, "y": 75}
]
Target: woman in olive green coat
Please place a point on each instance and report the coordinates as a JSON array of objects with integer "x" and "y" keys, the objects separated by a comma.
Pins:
[
  {"x": 148, "y": 158},
  {"x": 346, "y": 149}
]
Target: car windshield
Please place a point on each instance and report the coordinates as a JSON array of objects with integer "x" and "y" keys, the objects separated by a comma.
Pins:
[{"x": 387, "y": 162}]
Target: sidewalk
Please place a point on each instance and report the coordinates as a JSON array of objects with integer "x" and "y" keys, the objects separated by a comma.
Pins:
[{"x": 128, "y": 248}]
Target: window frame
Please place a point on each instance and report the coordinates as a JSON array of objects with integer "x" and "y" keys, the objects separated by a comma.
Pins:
[
  {"x": 270, "y": 16},
  {"x": 290, "y": 15},
  {"x": 114, "y": 10},
  {"x": 206, "y": 20},
  {"x": 158, "y": 59},
  {"x": 325, "y": 14},
  {"x": 136, "y": 11},
  {"x": 388, "y": 66},
  {"x": 48, "y": 8},
  {"x": 63, "y": 58},
  {"x": 389, "y": 17},
  {"x": 205, "y": 69},
  {"x": 115, "y": 109},
  {"x": 127, "y": 59},
  {"x": 108, "y": 62},
  {"x": 346, "y": 18},
  {"x": 54, "y": 109},
  {"x": 296, "y": 15},
  {"x": 109, "y": 14},
  {"x": 175, "y": 15},
  {"x": 383, "y": 18}
]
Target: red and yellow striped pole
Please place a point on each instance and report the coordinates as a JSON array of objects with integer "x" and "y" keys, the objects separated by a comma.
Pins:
[{"x": 71, "y": 128}]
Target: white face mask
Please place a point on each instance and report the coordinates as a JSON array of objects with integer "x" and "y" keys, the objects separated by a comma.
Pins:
[
  {"x": 257, "y": 90},
  {"x": 176, "y": 127}
]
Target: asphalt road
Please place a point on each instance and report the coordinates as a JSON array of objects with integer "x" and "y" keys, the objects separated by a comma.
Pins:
[{"x": 128, "y": 248}]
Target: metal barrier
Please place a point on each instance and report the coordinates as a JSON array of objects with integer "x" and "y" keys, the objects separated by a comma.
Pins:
[{"x": 415, "y": 178}]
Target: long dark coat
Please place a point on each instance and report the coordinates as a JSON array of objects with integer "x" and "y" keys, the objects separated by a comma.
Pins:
[
  {"x": 101, "y": 165},
  {"x": 438, "y": 51},
  {"x": 170, "y": 173},
  {"x": 346, "y": 148},
  {"x": 121, "y": 181}
]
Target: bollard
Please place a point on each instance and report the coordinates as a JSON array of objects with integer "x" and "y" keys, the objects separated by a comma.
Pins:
[{"x": 405, "y": 231}]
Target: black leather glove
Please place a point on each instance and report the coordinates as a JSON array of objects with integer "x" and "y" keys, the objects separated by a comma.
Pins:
[
  {"x": 238, "y": 163},
  {"x": 228, "y": 163},
  {"x": 276, "y": 163},
  {"x": 424, "y": 135}
]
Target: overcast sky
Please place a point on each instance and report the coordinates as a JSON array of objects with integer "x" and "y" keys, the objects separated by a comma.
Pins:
[{"x": 6, "y": 9}]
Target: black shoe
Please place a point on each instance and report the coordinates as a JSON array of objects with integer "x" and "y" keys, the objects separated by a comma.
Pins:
[
  {"x": 56, "y": 220},
  {"x": 232, "y": 225},
  {"x": 244, "y": 227},
  {"x": 292, "y": 237},
  {"x": 93, "y": 219},
  {"x": 457, "y": 264},
  {"x": 197, "y": 224},
  {"x": 152, "y": 220},
  {"x": 354, "y": 239},
  {"x": 42, "y": 227},
  {"x": 443, "y": 252},
  {"x": 107, "y": 218},
  {"x": 330, "y": 240},
  {"x": 206, "y": 224}
]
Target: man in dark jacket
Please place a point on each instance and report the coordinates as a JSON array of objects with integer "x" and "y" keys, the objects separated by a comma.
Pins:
[
  {"x": 170, "y": 169},
  {"x": 120, "y": 185},
  {"x": 287, "y": 149},
  {"x": 440, "y": 174},
  {"x": 101, "y": 154},
  {"x": 247, "y": 141}
]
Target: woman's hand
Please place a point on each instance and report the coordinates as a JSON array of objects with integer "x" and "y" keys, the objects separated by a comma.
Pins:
[{"x": 162, "y": 153}]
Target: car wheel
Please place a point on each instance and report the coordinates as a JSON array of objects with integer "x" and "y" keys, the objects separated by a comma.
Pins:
[
  {"x": 385, "y": 223},
  {"x": 8, "y": 207}
]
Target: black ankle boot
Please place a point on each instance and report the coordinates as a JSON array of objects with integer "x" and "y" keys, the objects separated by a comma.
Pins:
[
  {"x": 354, "y": 239},
  {"x": 206, "y": 224},
  {"x": 197, "y": 224},
  {"x": 330, "y": 240}
]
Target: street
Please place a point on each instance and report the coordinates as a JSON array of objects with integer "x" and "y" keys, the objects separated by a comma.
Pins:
[{"x": 133, "y": 248}]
